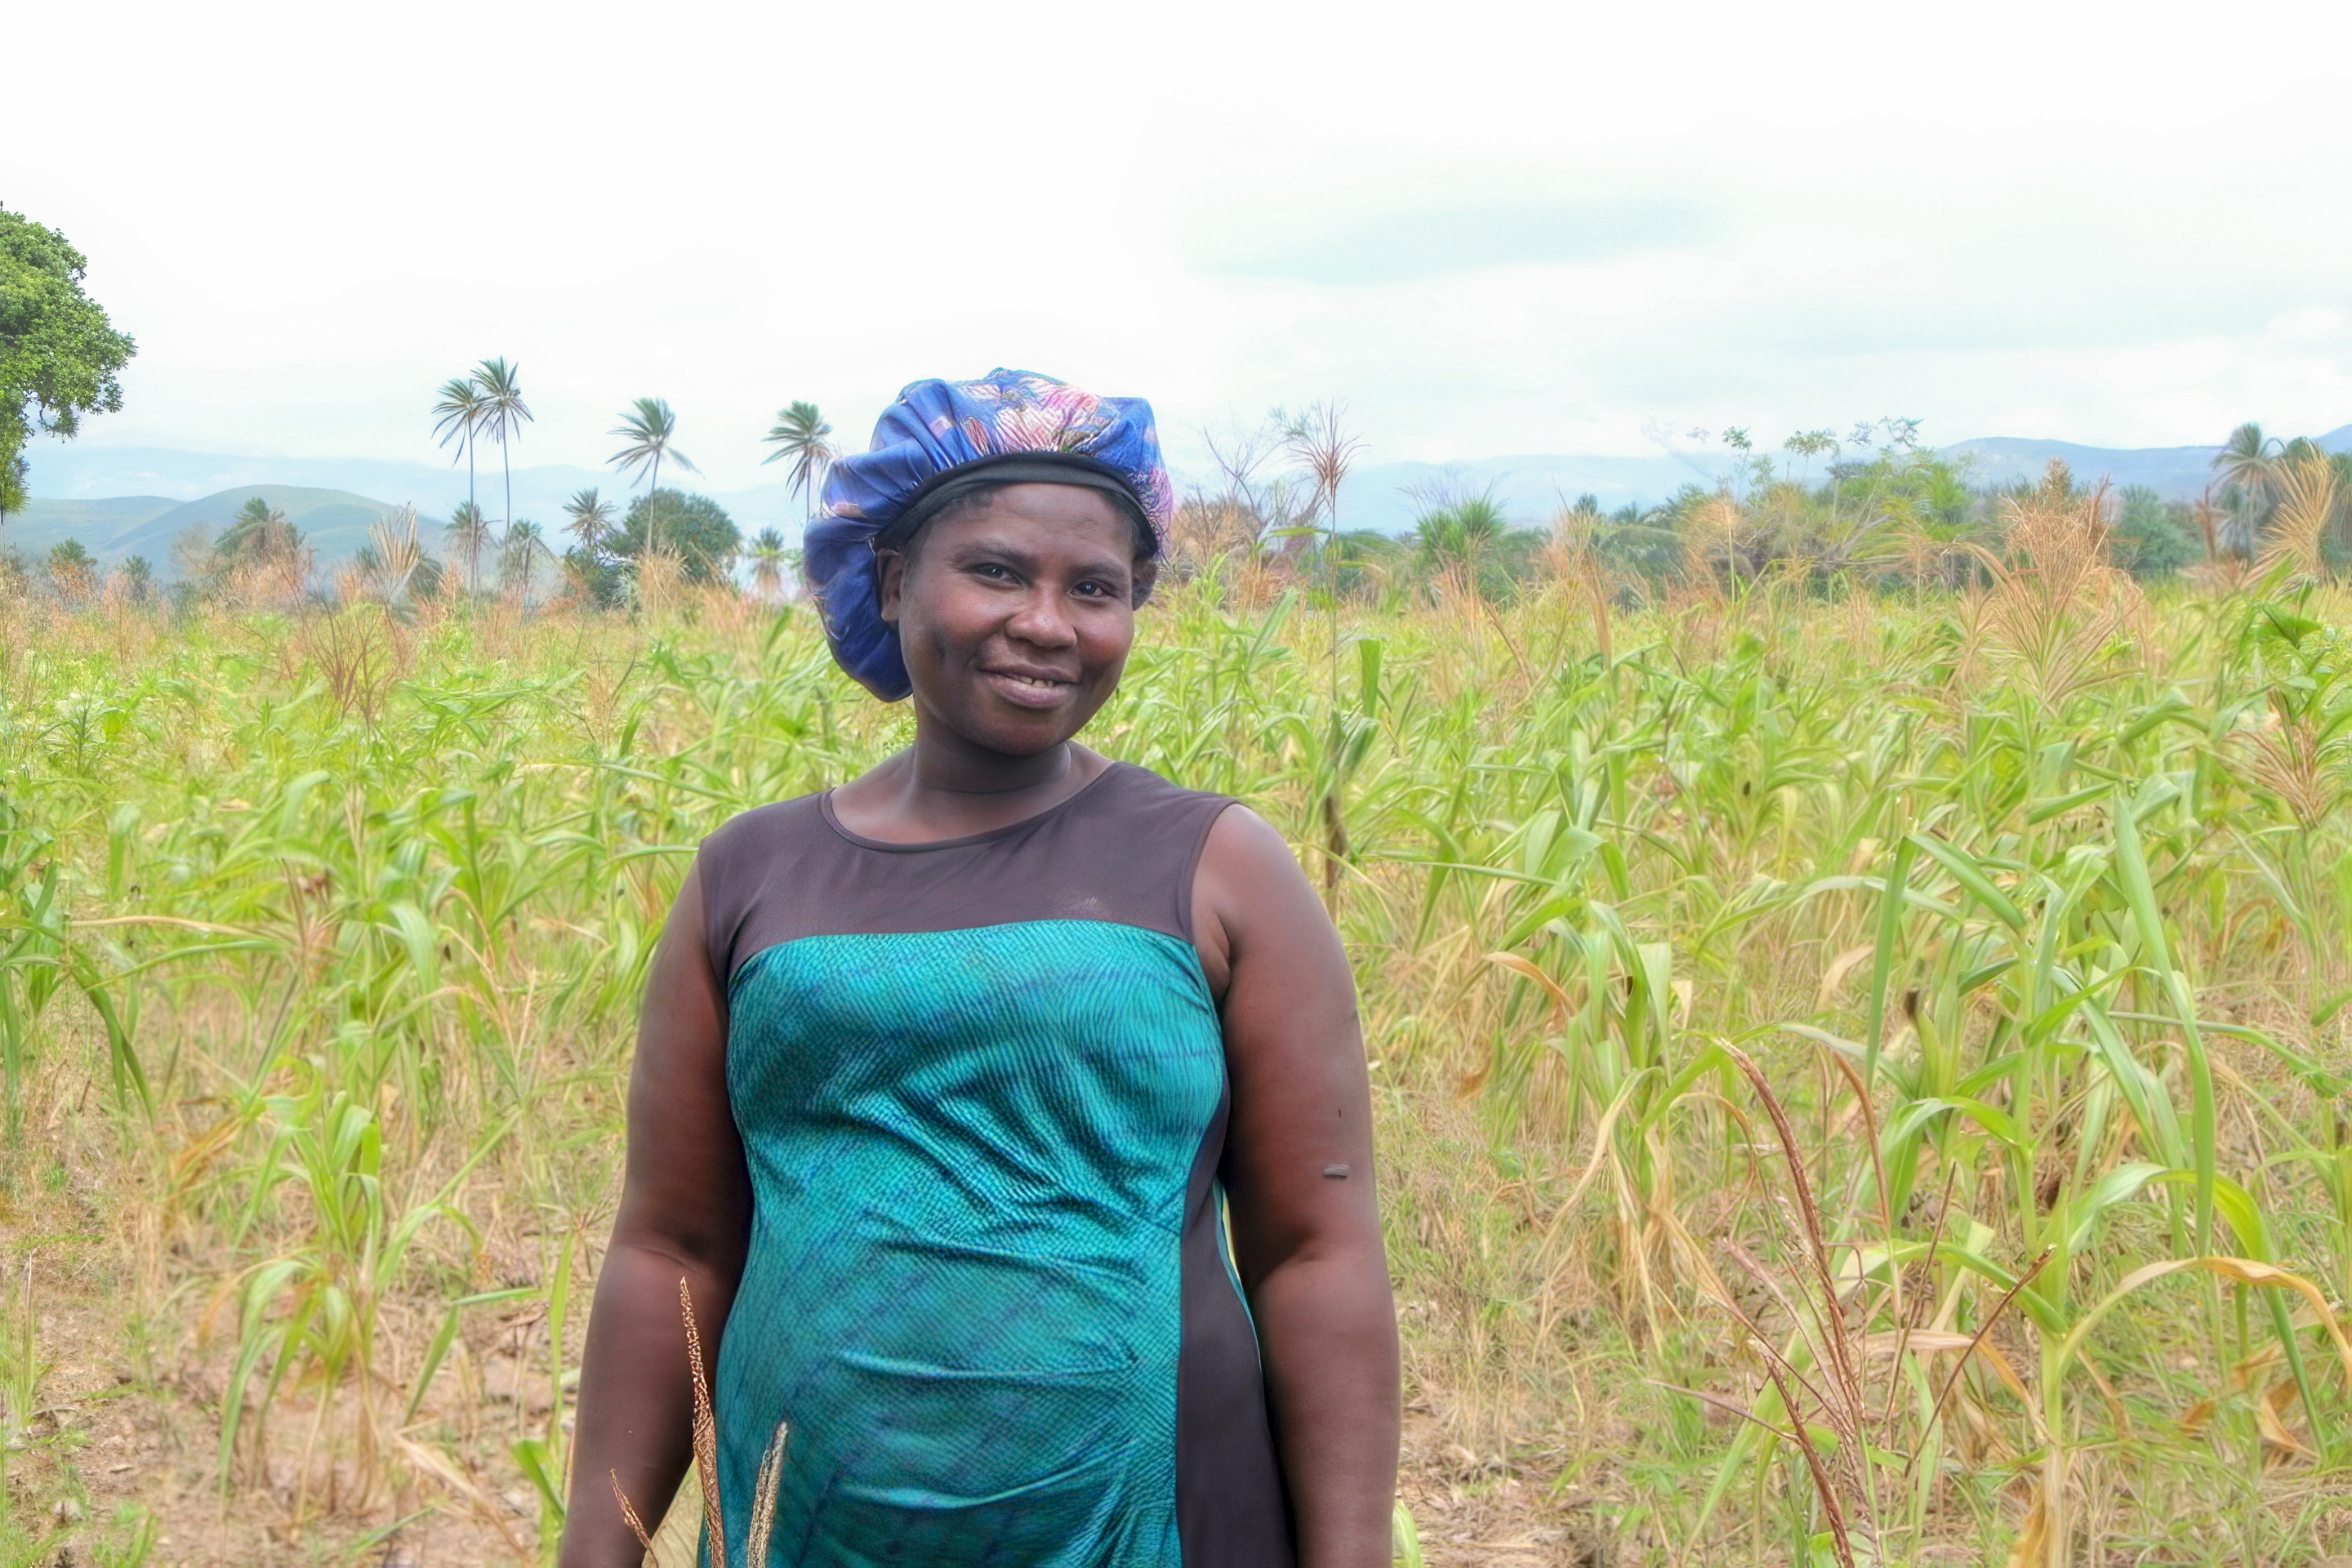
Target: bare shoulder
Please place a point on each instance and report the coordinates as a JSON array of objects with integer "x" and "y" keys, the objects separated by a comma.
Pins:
[
  {"x": 1244, "y": 850},
  {"x": 1252, "y": 905}
]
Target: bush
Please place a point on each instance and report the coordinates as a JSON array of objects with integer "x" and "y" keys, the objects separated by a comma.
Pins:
[
  {"x": 694, "y": 528},
  {"x": 2153, "y": 537}
]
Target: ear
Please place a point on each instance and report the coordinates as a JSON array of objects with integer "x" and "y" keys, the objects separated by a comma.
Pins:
[
  {"x": 1146, "y": 574},
  {"x": 890, "y": 585}
]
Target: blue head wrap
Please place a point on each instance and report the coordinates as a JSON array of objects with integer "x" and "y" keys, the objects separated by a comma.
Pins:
[{"x": 1012, "y": 426}]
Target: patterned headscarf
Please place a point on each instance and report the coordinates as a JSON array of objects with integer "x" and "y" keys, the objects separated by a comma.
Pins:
[{"x": 938, "y": 439}]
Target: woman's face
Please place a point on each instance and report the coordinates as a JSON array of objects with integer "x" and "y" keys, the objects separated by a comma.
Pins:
[{"x": 1015, "y": 616}]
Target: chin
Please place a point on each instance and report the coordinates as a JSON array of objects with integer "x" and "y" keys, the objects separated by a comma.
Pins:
[
  {"x": 1021, "y": 739},
  {"x": 1017, "y": 732}
]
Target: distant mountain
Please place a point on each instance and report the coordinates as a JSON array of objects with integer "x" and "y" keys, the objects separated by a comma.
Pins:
[
  {"x": 73, "y": 472},
  {"x": 1388, "y": 496},
  {"x": 137, "y": 491},
  {"x": 1385, "y": 496},
  {"x": 97, "y": 523},
  {"x": 2177, "y": 473},
  {"x": 334, "y": 523}
]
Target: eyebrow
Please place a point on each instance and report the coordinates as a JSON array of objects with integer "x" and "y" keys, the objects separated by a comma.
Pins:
[{"x": 972, "y": 550}]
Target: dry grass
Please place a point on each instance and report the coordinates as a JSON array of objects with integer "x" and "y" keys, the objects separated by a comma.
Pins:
[{"x": 368, "y": 902}]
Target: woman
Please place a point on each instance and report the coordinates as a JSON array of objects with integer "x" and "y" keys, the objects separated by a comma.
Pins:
[{"x": 946, "y": 1077}]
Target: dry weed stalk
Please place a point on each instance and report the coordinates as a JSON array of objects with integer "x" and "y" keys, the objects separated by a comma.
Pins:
[
  {"x": 660, "y": 582},
  {"x": 1819, "y": 1377},
  {"x": 360, "y": 652},
  {"x": 2292, "y": 545},
  {"x": 1574, "y": 563},
  {"x": 629, "y": 1512},
  {"x": 760, "y": 1528},
  {"x": 2223, "y": 570},
  {"x": 2287, "y": 757},
  {"x": 706, "y": 1430},
  {"x": 1209, "y": 529},
  {"x": 397, "y": 554},
  {"x": 2058, "y": 605},
  {"x": 1717, "y": 530},
  {"x": 75, "y": 584}
]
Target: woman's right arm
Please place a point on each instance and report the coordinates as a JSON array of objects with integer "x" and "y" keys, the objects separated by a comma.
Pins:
[{"x": 685, "y": 1213}]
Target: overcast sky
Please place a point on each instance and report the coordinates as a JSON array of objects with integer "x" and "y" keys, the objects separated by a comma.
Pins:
[{"x": 1489, "y": 228}]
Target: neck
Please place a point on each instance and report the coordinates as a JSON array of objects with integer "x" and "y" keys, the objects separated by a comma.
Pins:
[{"x": 942, "y": 763}]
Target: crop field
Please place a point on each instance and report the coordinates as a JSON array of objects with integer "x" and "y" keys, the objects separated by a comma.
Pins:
[{"x": 1863, "y": 1075}]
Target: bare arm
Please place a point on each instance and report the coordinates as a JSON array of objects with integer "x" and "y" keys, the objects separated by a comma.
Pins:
[
  {"x": 685, "y": 1213},
  {"x": 1299, "y": 1173}
]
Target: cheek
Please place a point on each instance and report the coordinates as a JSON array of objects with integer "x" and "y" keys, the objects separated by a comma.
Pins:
[
  {"x": 1110, "y": 639},
  {"x": 939, "y": 618}
]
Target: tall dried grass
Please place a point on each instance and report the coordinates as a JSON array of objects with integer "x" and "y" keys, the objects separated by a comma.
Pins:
[
  {"x": 2293, "y": 546},
  {"x": 2058, "y": 608},
  {"x": 2047, "y": 905}
]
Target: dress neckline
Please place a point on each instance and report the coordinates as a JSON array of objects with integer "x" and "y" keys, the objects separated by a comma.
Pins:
[{"x": 832, "y": 820}]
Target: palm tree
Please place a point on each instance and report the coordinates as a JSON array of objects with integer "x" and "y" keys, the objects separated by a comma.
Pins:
[
  {"x": 459, "y": 414},
  {"x": 260, "y": 533},
  {"x": 649, "y": 427},
  {"x": 504, "y": 414},
  {"x": 800, "y": 435},
  {"x": 1459, "y": 534},
  {"x": 592, "y": 519},
  {"x": 519, "y": 554},
  {"x": 468, "y": 535},
  {"x": 768, "y": 553},
  {"x": 2248, "y": 467}
]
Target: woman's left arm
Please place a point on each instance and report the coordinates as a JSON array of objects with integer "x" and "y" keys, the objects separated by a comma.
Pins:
[{"x": 1298, "y": 1173}]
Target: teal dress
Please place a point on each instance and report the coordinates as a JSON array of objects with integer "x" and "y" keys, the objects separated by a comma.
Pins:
[{"x": 982, "y": 1090}]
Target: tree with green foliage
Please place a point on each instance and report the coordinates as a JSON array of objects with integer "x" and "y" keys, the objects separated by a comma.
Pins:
[
  {"x": 648, "y": 426},
  {"x": 592, "y": 518},
  {"x": 260, "y": 533},
  {"x": 803, "y": 438},
  {"x": 695, "y": 527},
  {"x": 2153, "y": 537},
  {"x": 1473, "y": 535},
  {"x": 467, "y": 535},
  {"x": 459, "y": 417},
  {"x": 595, "y": 578},
  {"x": 768, "y": 554},
  {"x": 2248, "y": 464},
  {"x": 73, "y": 572},
  {"x": 139, "y": 576},
  {"x": 521, "y": 550},
  {"x": 1808, "y": 444},
  {"x": 504, "y": 414},
  {"x": 60, "y": 358}
]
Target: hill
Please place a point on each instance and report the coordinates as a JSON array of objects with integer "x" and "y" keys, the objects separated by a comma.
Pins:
[
  {"x": 1382, "y": 495},
  {"x": 152, "y": 487},
  {"x": 97, "y": 523},
  {"x": 334, "y": 523},
  {"x": 77, "y": 471}
]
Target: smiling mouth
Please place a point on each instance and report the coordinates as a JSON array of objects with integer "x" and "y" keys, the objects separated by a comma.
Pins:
[{"x": 1029, "y": 690}]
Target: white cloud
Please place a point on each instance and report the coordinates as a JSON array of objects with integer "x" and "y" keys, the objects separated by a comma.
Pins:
[{"x": 1491, "y": 228}]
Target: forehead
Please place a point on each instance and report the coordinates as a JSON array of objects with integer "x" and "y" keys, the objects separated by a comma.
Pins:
[{"x": 1041, "y": 516}]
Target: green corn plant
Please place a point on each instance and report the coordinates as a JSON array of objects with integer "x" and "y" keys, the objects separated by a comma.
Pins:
[
  {"x": 22, "y": 1370},
  {"x": 313, "y": 1311},
  {"x": 2035, "y": 930}
]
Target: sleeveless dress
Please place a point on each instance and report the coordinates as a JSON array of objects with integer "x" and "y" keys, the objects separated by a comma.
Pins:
[{"x": 982, "y": 1090}]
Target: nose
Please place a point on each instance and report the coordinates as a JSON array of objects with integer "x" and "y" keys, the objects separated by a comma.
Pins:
[{"x": 1042, "y": 621}]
